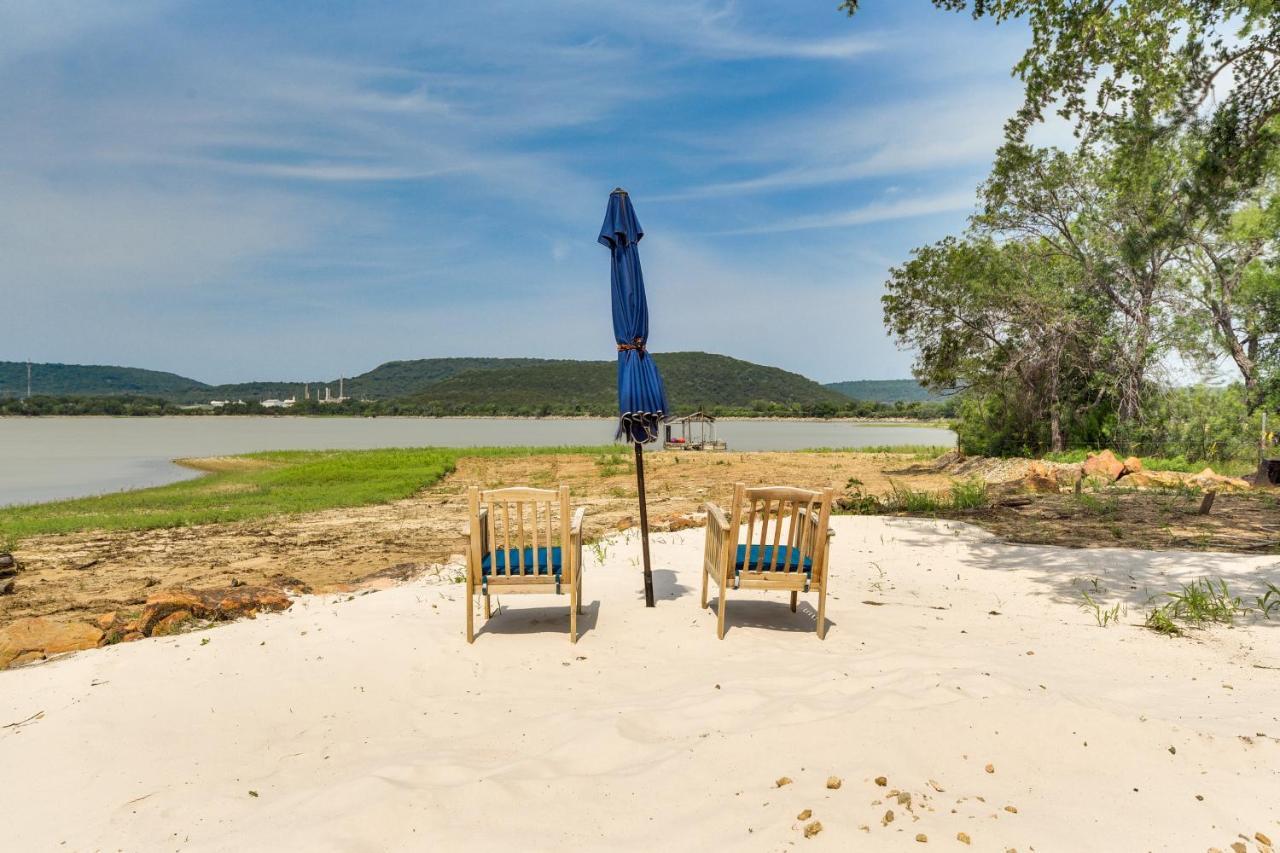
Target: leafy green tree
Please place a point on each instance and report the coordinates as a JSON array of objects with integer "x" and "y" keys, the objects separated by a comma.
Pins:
[
  {"x": 1012, "y": 326},
  {"x": 1210, "y": 63}
]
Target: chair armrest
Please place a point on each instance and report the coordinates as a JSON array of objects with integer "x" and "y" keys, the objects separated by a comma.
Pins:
[
  {"x": 715, "y": 515},
  {"x": 575, "y": 527}
]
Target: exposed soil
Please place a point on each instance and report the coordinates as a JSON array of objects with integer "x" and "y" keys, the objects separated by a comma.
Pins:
[
  {"x": 1157, "y": 520},
  {"x": 83, "y": 575},
  {"x": 79, "y": 577}
]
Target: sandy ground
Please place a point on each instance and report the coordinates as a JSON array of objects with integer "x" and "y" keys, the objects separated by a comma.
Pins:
[
  {"x": 83, "y": 575},
  {"x": 957, "y": 667}
]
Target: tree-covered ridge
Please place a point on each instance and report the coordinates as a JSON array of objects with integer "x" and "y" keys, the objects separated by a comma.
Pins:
[
  {"x": 488, "y": 386},
  {"x": 79, "y": 379},
  {"x": 885, "y": 390}
]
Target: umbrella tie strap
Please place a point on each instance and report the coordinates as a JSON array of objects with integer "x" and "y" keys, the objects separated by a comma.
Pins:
[{"x": 637, "y": 345}]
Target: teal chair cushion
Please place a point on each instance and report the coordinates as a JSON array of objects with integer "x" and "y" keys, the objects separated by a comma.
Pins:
[
  {"x": 789, "y": 559},
  {"x": 497, "y": 562}
]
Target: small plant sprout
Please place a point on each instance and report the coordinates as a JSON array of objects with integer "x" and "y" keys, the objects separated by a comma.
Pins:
[
  {"x": 1104, "y": 616},
  {"x": 1269, "y": 601}
]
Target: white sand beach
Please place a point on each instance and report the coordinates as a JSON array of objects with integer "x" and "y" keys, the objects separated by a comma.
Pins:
[{"x": 975, "y": 684}]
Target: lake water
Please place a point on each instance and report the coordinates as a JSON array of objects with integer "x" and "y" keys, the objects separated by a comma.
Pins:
[{"x": 45, "y": 459}]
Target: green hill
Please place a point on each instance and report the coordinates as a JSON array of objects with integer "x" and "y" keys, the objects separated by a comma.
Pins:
[
  {"x": 73, "y": 380},
  {"x": 694, "y": 380},
  {"x": 885, "y": 390}
]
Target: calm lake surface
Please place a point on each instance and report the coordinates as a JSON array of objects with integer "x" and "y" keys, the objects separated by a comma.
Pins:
[{"x": 44, "y": 459}]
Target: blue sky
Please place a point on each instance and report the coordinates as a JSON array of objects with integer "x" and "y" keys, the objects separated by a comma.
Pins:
[{"x": 237, "y": 191}]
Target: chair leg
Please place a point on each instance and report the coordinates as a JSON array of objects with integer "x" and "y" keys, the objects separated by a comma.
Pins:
[
  {"x": 724, "y": 588},
  {"x": 574, "y": 601},
  {"x": 487, "y": 611},
  {"x": 578, "y": 583},
  {"x": 471, "y": 605},
  {"x": 705, "y": 580},
  {"x": 822, "y": 610},
  {"x": 794, "y": 598}
]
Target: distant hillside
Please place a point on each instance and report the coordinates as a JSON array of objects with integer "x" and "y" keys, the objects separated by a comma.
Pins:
[
  {"x": 694, "y": 380},
  {"x": 884, "y": 390},
  {"x": 71, "y": 380}
]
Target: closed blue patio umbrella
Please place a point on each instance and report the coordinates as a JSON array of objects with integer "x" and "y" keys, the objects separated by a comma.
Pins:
[{"x": 642, "y": 401}]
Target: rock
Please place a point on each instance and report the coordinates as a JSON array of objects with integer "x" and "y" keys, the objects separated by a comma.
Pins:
[
  {"x": 812, "y": 829},
  {"x": 219, "y": 604},
  {"x": 904, "y": 799},
  {"x": 1104, "y": 465},
  {"x": 624, "y": 523},
  {"x": 991, "y": 768},
  {"x": 167, "y": 602},
  {"x": 1209, "y": 479},
  {"x": 805, "y": 815},
  {"x": 1239, "y": 847},
  {"x": 881, "y": 781},
  {"x": 131, "y": 636},
  {"x": 249, "y": 601},
  {"x": 7, "y": 561},
  {"x": 106, "y": 620},
  {"x": 1011, "y": 809},
  {"x": 44, "y": 637},
  {"x": 8, "y": 586},
  {"x": 171, "y": 624},
  {"x": 1132, "y": 465},
  {"x": 1156, "y": 480},
  {"x": 888, "y": 818},
  {"x": 963, "y": 837},
  {"x": 1262, "y": 839},
  {"x": 834, "y": 782},
  {"x": 1040, "y": 479},
  {"x": 782, "y": 780},
  {"x": 676, "y": 522},
  {"x": 922, "y": 838}
]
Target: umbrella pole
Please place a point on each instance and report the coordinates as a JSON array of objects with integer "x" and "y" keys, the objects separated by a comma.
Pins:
[{"x": 644, "y": 527}]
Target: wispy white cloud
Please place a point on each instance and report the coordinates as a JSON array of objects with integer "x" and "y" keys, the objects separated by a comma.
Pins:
[{"x": 880, "y": 211}]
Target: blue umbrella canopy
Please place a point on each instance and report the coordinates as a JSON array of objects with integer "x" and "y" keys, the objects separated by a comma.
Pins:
[{"x": 642, "y": 401}]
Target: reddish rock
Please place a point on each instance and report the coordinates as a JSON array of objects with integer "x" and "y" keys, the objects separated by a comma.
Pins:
[
  {"x": 1103, "y": 465},
  {"x": 1132, "y": 465},
  {"x": 171, "y": 624},
  {"x": 625, "y": 523},
  {"x": 131, "y": 636},
  {"x": 33, "y": 638},
  {"x": 1039, "y": 478},
  {"x": 106, "y": 620},
  {"x": 249, "y": 601},
  {"x": 164, "y": 603}
]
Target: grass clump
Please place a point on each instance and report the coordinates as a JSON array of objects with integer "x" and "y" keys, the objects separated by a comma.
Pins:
[
  {"x": 266, "y": 484},
  {"x": 1196, "y": 604},
  {"x": 1104, "y": 616},
  {"x": 1269, "y": 601},
  {"x": 967, "y": 495}
]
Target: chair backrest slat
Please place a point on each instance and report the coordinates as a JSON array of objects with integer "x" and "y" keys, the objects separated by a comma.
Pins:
[
  {"x": 803, "y": 513},
  {"x": 519, "y": 522}
]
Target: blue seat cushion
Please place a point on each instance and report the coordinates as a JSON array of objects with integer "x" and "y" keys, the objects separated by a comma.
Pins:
[
  {"x": 497, "y": 562},
  {"x": 789, "y": 559}
]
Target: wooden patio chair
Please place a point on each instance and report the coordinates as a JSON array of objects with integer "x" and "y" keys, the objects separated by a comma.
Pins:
[
  {"x": 788, "y": 552},
  {"x": 523, "y": 541}
]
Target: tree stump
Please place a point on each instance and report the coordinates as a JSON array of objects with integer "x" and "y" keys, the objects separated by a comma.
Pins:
[{"x": 1207, "y": 503}]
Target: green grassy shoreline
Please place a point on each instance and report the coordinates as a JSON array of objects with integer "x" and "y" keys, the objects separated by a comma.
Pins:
[{"x": 258, "y": 485}]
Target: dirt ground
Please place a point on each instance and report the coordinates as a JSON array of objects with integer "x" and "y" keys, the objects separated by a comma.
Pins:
[
  {"x": 81, "y": 576},
  {"x": 1247, "y": 523}
]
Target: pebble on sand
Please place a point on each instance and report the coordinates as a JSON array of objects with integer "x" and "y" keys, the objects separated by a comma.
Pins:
[
  {"x": 834, "y": 782},
  {"x": 962, "y": 837},
  {"x": 805, "y": 815},
  {"x": 1262, "y": 839},
  {"x": 888, "y": 818},
  {"x": 782, "y": 780},
  {"x": 922, "y": 838},
  {"x": 1011, "y": 809},
  {"x": 881, "y": 781},
  {"x": 812, "y": 829},
  {"x": 991, "y": 768}
]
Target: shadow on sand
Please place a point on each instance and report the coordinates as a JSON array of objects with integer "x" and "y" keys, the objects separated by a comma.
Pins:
[{"x": 537, "y": 620}]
